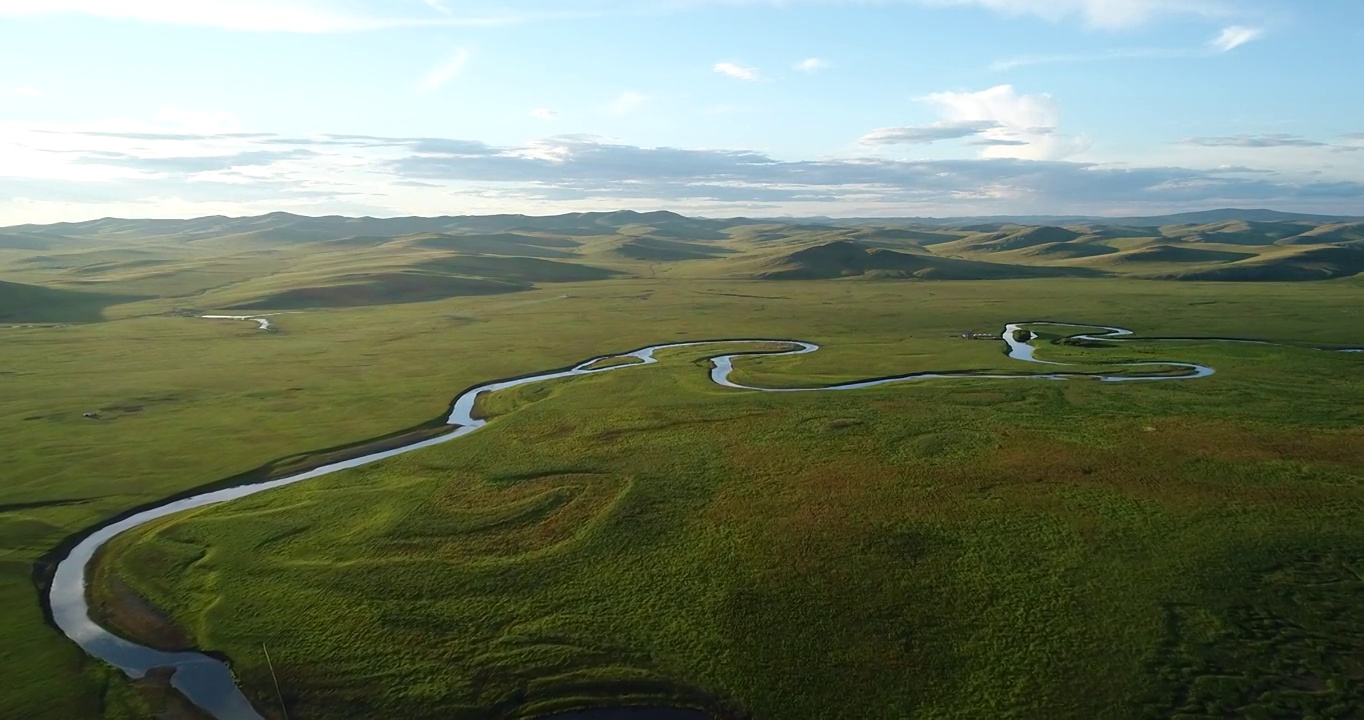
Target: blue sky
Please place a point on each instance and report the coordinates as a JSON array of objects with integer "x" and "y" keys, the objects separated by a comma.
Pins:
[{"x": 174, "y": 108}]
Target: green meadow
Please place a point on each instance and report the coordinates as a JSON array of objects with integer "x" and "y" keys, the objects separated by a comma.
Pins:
[{"x": 958, "y": 548}]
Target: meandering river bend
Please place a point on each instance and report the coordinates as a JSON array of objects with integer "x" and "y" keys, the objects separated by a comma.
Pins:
[{"x": 208, "y": 683}]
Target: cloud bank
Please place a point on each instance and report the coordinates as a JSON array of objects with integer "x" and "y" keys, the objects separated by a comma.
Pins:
[{"x": 83, "y": 173}]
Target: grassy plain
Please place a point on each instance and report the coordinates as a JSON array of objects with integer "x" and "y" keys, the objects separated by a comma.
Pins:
[{"x": 939, "y": 550}]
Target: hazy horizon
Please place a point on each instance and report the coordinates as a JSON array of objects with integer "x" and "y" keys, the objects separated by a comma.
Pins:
[{"x": 646, "y": 211}]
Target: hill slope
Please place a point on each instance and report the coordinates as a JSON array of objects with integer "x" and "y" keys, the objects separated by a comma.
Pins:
[
  {"x": 252, "y": 259},
  {"x": 849, "y": 259},
  {"x": 1005, "y": 240},
  {"x": 494, "y": 244},
  {"x": 1177, "y": 254},
  {"x": 1330, "y": 233},
  {"x": 1240, "y": 232},
  {"x": 663, "y": 250},
  {"x": 392, "y": 288},
  {"x": 23, "y": 303},
  {"x": 1318, "y": 263},
  {"x": 416, "y": 280}
]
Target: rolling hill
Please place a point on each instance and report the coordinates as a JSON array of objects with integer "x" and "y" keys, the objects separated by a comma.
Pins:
[
  {"x": 506, "y": 243},
  {"x": 1005, "y": 240},
  {"x": 1201, "y": 217},
  {"x": 516, "y": 269},
  {"x": 18, "y": 240},
  {"x": 845, "y": 258},
  {"x": 1330, "y": 233},
  {"x": 1238, "y": 232},
  {"x": 1177, "y": 254},
  {"x": 903, "y": 235},
  {"x": 288, "y": 261},
  {"x": 1317, "y": 263},
  {"x": 655, "y": 249},
  {"x": 24, "y": 303},
  {"x": 379, "y": 289},
  {"x": 1064, "y": 250},
  {"x": 418, "y": 278}
]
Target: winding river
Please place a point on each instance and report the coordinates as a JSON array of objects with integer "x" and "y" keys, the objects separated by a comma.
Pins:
[{"x": 208, "y": 682}]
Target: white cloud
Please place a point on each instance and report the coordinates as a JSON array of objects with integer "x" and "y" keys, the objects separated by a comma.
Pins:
[
  {"x": 448, "y": 70},
  {"x": 543, "y": 113},
  {"x": 1004, "y": 123},
  {"x": 927, "y": 134},
  {"x": 63, "y": 152},
  {"x": 1229, "y": 39},
  {"x": 1099, "y": 13},
  {"x": 19, "y": 92},
  {"x": 1235, "y": 36},
  {"x": 627, "y": 103},
  {"x": 438, "y": 6},
  {"x": 1267, "y": 140},
  {"x": 738, "y": 72},
  {"x": 813, "y": 64},
  {"x": 134, "y": 168},
  {"x": 1001, "y": 104}
]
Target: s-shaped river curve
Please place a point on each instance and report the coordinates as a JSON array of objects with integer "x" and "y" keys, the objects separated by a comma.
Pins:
[{"x": 208, "y": 683}]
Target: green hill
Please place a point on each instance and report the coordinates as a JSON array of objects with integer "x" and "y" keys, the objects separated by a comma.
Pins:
[
  {"x": 1114, "y": 232},
  {"x": 1318, "y": 263},
  {"x": 1067, "y": 250},
  {"x": 903, "y": 236},
  {"x": 849, "y": 259},
  {"x": 1237, "y": 232},
  {"x": 285, "y": 228},
  {"x": 380, "y": 289},
  {"x": 663, "y": 250},
  {"x": 23, "y": 303},
  {"x": 417, "y": 279},
  {"x": 1005, "y": 240},
  {"x": 769, "y": 233},
  {"x": 514, "y": 269},
  {"x": 1177, "y": 254},
  {"x": 84, "y": 260},
  {"x": 248, "y": 259},
  {"x": 26, "y": 241},
  {"x": 1329, "y": 234},
  {"x": 494, "y": 244}
]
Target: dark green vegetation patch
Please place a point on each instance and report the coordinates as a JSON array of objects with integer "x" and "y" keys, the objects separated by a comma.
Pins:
[{"x": 22, "y": 303}]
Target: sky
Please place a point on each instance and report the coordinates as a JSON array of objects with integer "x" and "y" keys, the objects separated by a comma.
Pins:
[{"x": 183, "y": 108}]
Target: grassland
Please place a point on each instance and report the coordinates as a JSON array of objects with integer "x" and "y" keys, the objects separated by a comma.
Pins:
[
  {"x": 939, "y": 550},
  {"x": 281, "y": 261}
]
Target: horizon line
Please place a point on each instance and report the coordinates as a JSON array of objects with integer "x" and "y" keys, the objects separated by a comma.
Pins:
[{"x": 1057, "y": 216}]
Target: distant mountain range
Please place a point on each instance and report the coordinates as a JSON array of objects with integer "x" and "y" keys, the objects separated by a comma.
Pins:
[
  {"x": 303, "y": 227},
  {"x": 281, "y": 261}
]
